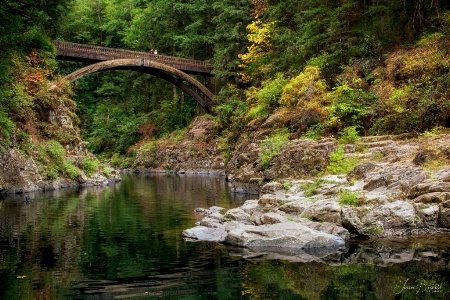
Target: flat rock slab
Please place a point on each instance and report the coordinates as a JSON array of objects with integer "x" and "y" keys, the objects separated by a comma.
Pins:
[
  {"x": 286, "y": 235},
  {"x": 206, "y": 234}
]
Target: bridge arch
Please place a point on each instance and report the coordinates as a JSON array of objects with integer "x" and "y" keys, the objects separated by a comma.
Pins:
[{"x": 179, "y": 78}]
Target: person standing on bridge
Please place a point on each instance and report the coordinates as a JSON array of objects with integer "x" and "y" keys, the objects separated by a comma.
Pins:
[
  {"x": 150, "y": 51},
  {"x": 155, "y": 52}
]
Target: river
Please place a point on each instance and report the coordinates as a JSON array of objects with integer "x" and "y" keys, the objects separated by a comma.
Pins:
[{"x": 124, "y": 241}]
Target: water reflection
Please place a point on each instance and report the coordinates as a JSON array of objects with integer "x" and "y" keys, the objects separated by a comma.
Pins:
[{"x": 124, "y": 242}]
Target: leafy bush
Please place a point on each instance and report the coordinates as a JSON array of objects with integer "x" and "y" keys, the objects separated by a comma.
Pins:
[
  {"x": 55, "y": 151},
  {"x": 264, "y": 99},
  {"x": 272, "y": 145},
  {"x": 52, "y": 156},
  {"x": 259, "y": 111},
  {"x": 306, "y": 87},
  {"x": 346, "y": 197},
  {"x": 6, "y": 129},
  {"x": 339, "y": 163},
  {"x": 350, "y": 106},
  {"x": 314, "y": 132},
  {"x": 70, "y": 170},
  {"x": 349, "y": 135},
  {"x": 89, "y": 166},
  {"x": 231, "y": 107}
]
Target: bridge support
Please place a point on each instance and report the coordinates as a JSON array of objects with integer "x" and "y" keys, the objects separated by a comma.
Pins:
[{"x": 179, "y": 78}]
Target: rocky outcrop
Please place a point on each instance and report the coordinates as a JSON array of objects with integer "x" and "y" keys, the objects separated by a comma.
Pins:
[
  {"x": 23, "y": 168},
  {"x": 299, "y": 158},
  {"x": 23, "y": 174},
  {"x": 258, "y": 223},
  {"x": 392, "y": 196},
  {"x": 196, "y": 151}
]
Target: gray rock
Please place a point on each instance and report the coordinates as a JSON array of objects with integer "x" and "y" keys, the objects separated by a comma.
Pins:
[
  {"x": 249, "y": 206},
  {"x": 295, "y": 207},
  {"x": 428, "y": 187},
  {"x": 324, "y": 210},
  {"x": 361, "y": 171},
  {"x": 286, "y": 235},
  {"x": 270, "y": 200},
  {"x": 359, "y": 222},
  {"x": 272, "y": 218},
  {"x": 375, "y": 183},
  {"x": 203, "y": 233},
  {"x": 326, "y": 227},
  {"x": 444, "y": 214},
  {"x": 271, "y": 188},
  {"x": 239, "y": 215},
  {"x": 427, "y": 215},
  {"x": 436, "y": 197},
  {"x": 396, "y": 214},
  {"x": 443, "y": 175}
]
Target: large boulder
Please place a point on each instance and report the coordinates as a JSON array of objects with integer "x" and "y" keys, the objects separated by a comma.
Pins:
[
  {"x": 237, "y": 214},
  {"x": 272, "y": 218},
  {"x": 286, "y": 235},
  {"x": 324, "y": 210},
  {"x": 206, "y": 234}
]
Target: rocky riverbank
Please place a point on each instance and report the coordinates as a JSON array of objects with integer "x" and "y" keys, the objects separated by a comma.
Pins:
[
  {"x": 22, "y": 174},
  {"x": 397, "y": 186}
]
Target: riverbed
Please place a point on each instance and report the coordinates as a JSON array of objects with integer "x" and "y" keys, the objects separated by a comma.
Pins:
[{"x": 124, "y": 241}]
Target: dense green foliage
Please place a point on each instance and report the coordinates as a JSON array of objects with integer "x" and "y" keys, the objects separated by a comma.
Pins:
[
  {"x": 373, "y": 66},
  {"x": 25, "y": 57}
]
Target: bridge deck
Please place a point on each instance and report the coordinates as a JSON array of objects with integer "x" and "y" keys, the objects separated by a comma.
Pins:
[{"x": 90, "y": 53}]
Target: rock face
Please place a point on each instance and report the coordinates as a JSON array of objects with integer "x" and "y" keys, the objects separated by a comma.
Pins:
[
  {"x": 297, "y": 159},
  {"x": 196, "y": 151},
  {"x": 22, "y": 172}
]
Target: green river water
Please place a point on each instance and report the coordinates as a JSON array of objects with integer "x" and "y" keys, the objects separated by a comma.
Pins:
[{"x": 124, "y": 241}]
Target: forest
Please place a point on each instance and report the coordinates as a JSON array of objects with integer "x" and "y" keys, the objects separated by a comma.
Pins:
[{"x": 330, "y": 68}]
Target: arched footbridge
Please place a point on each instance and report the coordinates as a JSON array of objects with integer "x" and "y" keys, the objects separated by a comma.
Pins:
[{"x": 175, "y": 70}]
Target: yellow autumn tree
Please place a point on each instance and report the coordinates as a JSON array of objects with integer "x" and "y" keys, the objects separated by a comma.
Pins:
[{"x": 253, "y": 63}]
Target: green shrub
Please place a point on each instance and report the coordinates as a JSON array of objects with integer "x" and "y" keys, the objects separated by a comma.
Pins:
[
  {"x": 339, "y": 163},
  {"x": 52, "y": 174},
  {"x": 70, "y": 170},
  {"x": 306, "y": 87},
  {"x": 350, "y": 106},
  {"x": 55, "y": 152},
  {"x": 287, "y": 185},
  {"x": 314, "y": 132},
  {"x": 272, "y": 145},
  {"x": 346, "y": 197},
  {"x": 349, "y": 135},
  {"x": 89, "y": 166},
  {"x": 106, "y": 171},
  {"x": 6, "y": 129},
  {"x": 259, "y": 111},
  {"x": 264, "y": 99}
]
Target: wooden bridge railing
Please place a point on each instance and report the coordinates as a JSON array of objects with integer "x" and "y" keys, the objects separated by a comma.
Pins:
[{"x": 98, "y": 53}]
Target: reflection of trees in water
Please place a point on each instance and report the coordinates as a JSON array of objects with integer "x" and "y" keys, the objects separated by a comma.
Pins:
[
  {"x": 387, "y": 269},
  {"x": 129, "y": 234}
]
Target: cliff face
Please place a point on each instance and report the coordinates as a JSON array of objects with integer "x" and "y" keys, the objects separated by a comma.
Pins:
[
  {"x": 46, "y": 151},
  {"x": 197, "y": 149}
]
